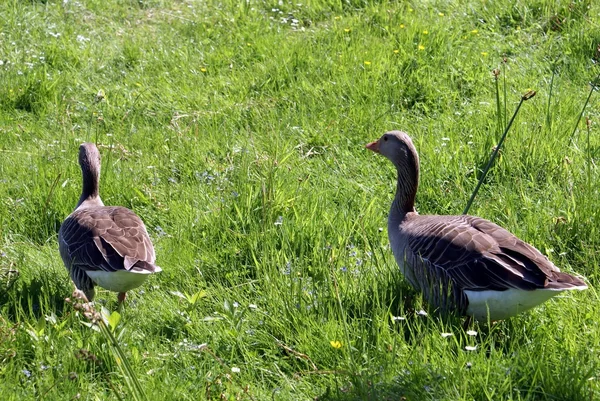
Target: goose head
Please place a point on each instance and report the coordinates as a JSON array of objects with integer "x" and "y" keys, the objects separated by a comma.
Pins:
[
  {"x": 399, "y": 149},
  {"x": 89, "y": 157}
]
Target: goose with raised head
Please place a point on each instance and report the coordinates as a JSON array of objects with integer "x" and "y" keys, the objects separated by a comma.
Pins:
[
  {"x": 104, "y": 245},
  {"x": 463, "y": 264}
]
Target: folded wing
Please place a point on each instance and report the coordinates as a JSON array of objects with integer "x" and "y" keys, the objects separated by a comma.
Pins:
[
  {"x": 108, "y": 239},
  {"x": 476, "y": 254}
]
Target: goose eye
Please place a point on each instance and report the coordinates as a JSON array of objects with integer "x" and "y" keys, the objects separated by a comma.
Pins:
[{"x": 385, "y": 138}]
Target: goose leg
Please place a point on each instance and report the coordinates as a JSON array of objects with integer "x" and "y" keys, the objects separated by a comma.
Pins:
[
  {"x": 467, "y": 323},
  {"x": 121, "y": 297}
]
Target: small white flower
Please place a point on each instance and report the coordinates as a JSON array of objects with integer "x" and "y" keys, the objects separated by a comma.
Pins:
[
  {"x": 252, "y": 306},
  {"x": 396, "y": 318},
  {"x": 235, "y": 370},
  {"x": 444, "y": 335},
  {"x": 422, "y": 313},
  {"x": 471, "y": 347},
  {"x": 279, "y": 221},
  {"x": 471, "y": 333}
]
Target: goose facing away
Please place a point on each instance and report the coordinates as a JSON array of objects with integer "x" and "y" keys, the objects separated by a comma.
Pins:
[
  {"x": 463, "y": 264},
  {"x": 103, "y": 245}
]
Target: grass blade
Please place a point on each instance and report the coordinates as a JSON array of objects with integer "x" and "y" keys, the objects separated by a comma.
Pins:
[{"x": 526, "y": 96}]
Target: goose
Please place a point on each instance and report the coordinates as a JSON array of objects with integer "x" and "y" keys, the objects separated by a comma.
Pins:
[
  {"x": 103, "y": 245},
  {"x": 463, "y": 264}
]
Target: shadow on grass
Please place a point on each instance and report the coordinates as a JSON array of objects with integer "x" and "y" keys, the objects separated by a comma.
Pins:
[
  {"x": 542, "y": 383},
  {"x": 32, "y": 296},
  {"x": 370, "y": 392},
  {"x": 400, "y": 392}
]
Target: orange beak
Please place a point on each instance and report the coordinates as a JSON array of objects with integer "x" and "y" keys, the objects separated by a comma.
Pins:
[{"x": 374, "y": 146}]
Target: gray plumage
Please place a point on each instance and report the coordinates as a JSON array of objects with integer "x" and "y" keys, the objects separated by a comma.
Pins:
[
  {"x": 103, "y": 245},
  {"x": 463, "y": 264}
]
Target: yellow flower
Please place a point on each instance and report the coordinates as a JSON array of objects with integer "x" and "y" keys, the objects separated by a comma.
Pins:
[
  {"x": 425, "y": 32},
  {"x": 336, "y": 344},
  {"x": 401, "y": 26},
  {"x": 474, "y": 31},
  {"x": 203, "y": 69},
  {"x": 367, "y": 63},
  {"x": 484, "y": 54},
  {"x": 421, "y": 47},
  {"x": 441, "y": 14},
  {"x": 347, "y": 29},
  {"x": 396, "y": 51}
]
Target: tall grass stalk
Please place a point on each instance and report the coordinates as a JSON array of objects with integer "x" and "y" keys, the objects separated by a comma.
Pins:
[
  {"x": 525, "y": 97},
  {"x": 505, "y": 62},
  {"x": 588, "y": 164},
  {"x": 496, "y": 73},
  {"x": 100, "y": 321},
  {"x": 133, "y": 384},
  {"x": 593, "y": 86},
  {"x": 548, "y": 114}
]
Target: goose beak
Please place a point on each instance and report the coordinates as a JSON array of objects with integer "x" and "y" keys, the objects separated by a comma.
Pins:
[{"x": 374, "y": 146}]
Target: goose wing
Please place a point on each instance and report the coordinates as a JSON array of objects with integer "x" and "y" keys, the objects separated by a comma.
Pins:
[
  {"x": 476, "y": 254},
  {"x": 108, "y": 239}
]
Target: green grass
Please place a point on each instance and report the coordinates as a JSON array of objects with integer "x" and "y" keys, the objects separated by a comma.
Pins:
[{"x": 219, "y": 120}]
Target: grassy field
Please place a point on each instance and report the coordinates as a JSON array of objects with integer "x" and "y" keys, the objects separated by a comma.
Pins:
[{"x": 236, "y": 131}]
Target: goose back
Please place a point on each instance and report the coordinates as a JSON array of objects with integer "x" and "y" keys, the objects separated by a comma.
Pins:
[{"x": 107, "y": 239}]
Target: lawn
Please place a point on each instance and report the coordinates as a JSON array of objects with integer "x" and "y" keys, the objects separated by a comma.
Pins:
[{"x": 236, "y": 131}]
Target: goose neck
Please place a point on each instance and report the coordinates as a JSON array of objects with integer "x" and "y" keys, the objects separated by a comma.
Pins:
[
  {"x": 90, "y": 189},
  {"x": 406, "y": 190}
]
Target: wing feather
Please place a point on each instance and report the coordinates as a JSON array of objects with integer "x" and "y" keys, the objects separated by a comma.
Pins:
[
  {"x": 108, "y": 239},
  {"x": 476, "y": 254}
]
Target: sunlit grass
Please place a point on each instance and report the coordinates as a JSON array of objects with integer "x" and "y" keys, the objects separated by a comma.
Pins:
[{"x": 236, "y": 131}]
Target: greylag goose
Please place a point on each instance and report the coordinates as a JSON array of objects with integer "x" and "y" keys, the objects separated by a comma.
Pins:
[
  {"x": 463, "y": 264},
  {"x": 103, "y": 245}
]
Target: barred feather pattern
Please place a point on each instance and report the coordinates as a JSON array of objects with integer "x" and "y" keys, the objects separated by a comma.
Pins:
[
  {"x": 452, "y": 258},
  {"x": 104, "y": 238},
  {"x": 447, "y": 255}
]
